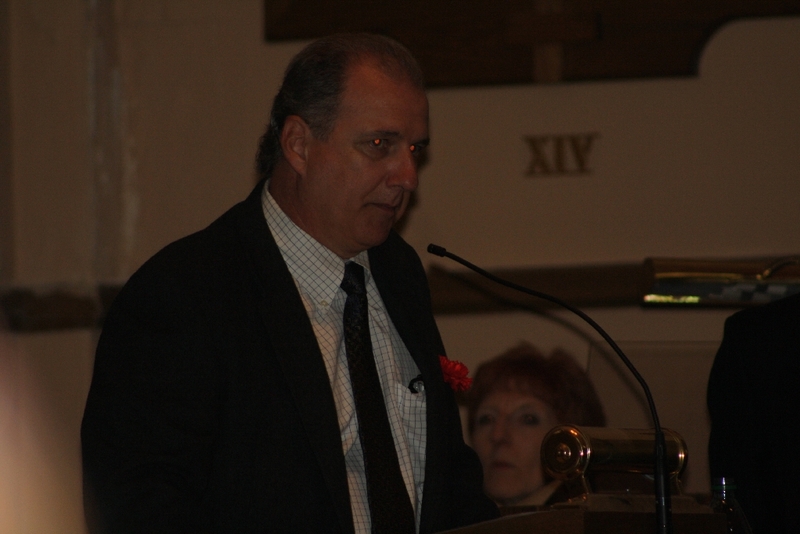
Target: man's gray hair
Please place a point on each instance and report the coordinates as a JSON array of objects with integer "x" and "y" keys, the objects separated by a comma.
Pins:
[{"x": 314, "y": 82}]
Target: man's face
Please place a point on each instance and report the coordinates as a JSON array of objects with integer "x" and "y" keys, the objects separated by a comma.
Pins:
[{"x": 358, "y": 181}]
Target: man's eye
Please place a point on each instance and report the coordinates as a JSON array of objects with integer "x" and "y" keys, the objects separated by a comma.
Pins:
[{"x": 378, "y": 143}]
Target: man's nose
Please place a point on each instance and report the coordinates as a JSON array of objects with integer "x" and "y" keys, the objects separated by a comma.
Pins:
[{"x": 405, "y": 173}]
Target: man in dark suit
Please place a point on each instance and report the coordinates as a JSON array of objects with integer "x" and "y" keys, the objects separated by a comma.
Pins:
[
  {"x": 224, "y": 397},
  {"x": 754, "y": 402}
]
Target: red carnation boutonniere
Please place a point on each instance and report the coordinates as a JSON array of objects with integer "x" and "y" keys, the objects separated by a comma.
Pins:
[{"x": 455, "y": 374}]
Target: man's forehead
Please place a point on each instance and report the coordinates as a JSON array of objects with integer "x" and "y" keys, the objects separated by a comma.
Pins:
[
  {"x": 372, "y": 74},
  {"x": 384, "y": 104}
]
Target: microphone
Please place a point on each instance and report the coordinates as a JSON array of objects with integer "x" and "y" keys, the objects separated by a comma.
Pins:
[{"x": 663, "y": 501}]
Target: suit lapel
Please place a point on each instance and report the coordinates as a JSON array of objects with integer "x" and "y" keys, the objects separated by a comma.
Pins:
[
  {"x": 292, "y": 337},
  {"x": 407, "y": 301},
  {"x": 406, "y": 306}
]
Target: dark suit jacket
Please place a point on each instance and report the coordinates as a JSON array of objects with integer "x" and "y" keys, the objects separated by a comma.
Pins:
[
  {"x": 210, "y": 408},
  {"x": 754, "y": 403}
]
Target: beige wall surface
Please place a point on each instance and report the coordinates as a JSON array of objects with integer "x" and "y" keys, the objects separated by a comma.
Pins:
[
  {"x": 188, "y": 88},
  {"x": 50, "y": 142},
  {"x": 198, "y": 81},
  {"x": 703, "y": 167},
  {"x": 44, "y": 380},
  {"x": 6, "y": 200},
  {"x": 693, "y": 167}
]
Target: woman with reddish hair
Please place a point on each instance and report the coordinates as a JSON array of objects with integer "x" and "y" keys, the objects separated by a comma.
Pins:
[{"x": 516, "y": 398}]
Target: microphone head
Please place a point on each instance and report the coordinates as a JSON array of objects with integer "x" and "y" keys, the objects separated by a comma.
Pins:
[{"x": 437, "y": 250}]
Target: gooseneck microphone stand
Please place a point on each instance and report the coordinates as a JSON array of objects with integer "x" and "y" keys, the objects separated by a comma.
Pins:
[{"x": 663, "y": 501}]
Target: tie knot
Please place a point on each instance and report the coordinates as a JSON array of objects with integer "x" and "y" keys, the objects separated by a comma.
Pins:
[{"x": 353, "y": 283}]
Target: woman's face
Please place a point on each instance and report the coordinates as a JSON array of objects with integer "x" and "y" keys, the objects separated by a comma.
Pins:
[{"x": 507, "y": 435}]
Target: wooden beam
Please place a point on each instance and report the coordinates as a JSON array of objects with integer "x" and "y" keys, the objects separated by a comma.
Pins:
[
  {"x": 455, "y": 292},
  {"x": 26, "y": 309},
  {"x": 654, "y": 282},
  {"x": 484, "y": 42},
  {"x": 35, "y": 309}
]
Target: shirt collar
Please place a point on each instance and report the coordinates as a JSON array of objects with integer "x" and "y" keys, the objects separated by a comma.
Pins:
[{"x": 314, "y": 267}]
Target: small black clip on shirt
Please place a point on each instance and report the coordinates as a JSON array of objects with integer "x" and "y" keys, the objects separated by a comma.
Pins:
[{"x": 417, "y": 385}]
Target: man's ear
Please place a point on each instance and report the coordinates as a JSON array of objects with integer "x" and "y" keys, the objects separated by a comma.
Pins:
[{"x": 295, "y": 138}]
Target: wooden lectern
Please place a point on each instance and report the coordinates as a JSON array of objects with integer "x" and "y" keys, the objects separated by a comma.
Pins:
[
  {"x": 579, "y": 521},
  {"x": 606, "y": 487}
]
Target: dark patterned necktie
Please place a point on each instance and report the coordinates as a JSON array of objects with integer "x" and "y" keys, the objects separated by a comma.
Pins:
[{"x": 389, "y": 505}]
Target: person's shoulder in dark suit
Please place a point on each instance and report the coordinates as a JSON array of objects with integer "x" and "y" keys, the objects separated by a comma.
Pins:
[{"x": 754, "y": 401}]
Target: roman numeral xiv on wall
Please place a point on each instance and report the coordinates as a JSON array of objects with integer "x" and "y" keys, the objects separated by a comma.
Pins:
[{"x": 553, "y": 155}]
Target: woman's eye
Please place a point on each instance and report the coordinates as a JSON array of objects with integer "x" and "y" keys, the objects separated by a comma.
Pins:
[
  {"x": 378, "y": 143},
  {"x": 531, "y": 419},
  {"x": 483, "y": 420}
]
